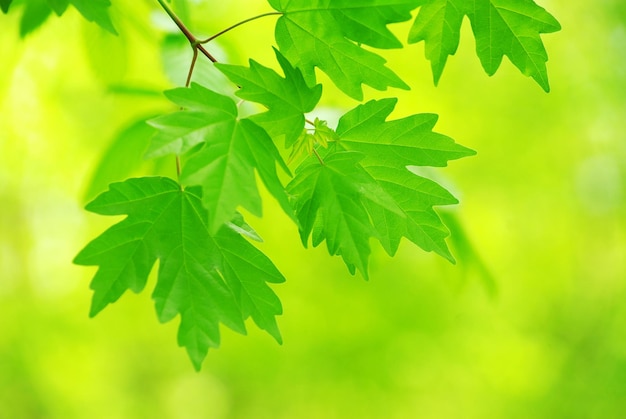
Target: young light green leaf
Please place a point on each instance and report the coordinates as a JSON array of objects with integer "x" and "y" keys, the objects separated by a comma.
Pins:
[
  {"x": 327, "y": 35},
  {"x": 322, "y": 135},
  {"x": 328, "y": 199},
  {"x": 287, "y": 99},
  {"x": 96, "y": 11},
  {"x": 205, "y": 278},
  {"x": 501, "y": 27},
  {"x": 233, "y": 149},
  {"x": 397, "y": 143}
]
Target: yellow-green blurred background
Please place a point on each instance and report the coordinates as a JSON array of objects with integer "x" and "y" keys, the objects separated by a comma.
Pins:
[{"x": 531, "y": 323}]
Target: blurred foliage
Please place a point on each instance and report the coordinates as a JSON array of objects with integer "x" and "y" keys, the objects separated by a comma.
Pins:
[{"x": 530, "y": 323}]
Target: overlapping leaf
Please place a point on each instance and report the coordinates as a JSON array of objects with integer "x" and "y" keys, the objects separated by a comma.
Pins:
[
  {"x": 329, "y": 199},
  {"x": 501, "y": 27},
  {"x": 349, "y": 198},
  {"x": 205, "y": 278},
  {"x": 233, "y": 149},
  {"x": 326, "y": 34},
  {"x": 391, "y": 146},
  {"x": 287, "y": 99}
]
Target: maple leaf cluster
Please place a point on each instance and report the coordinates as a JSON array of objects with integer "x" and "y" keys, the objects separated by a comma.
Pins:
[{"x": 351, "y": 184}]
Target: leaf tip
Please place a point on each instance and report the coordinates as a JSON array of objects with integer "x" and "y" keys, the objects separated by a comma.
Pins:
[
  {"x": 197, "y": 363},
  {"x": 95, "y": 308},
  {"x": 446, "y": 254},
  {"x": 437, "y": 72},
  {"x": 275, "y": 333}
]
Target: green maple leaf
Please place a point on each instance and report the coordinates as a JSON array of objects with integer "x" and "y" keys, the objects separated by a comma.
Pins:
[
  {"x": 501, "y": 27},
  {"x": 232, "y": 149},
  {"x": 205, "y": 278},
  {"x": 361, "y": 186},
  {"x": 403, "y": 142},
  {"x": 327, "y": 34},
  {"x": 328, "y": 199},
  {"x": 418, "y": 221},
  {"x": 287, "y": 99},
  {"x": 322, "y": 135},
  {"x": 389, "y": 147}
]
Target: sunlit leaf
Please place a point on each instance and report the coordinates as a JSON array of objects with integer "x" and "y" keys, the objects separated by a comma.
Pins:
[
  {"x": 327, "y": 35},
  {"x": 205, "y": 278},
  {"x": 287, "y": 99},
  {"x": 232, "y": 151},
  {"x": 501, "y": 27}
]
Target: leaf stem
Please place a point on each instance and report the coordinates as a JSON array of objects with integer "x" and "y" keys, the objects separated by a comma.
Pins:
[
  {"x": 195, "y": 44},
  {"x": 192, "y": 66},
  {"x": 318, "y": 156},
  {"x": 204, "y": 41}
]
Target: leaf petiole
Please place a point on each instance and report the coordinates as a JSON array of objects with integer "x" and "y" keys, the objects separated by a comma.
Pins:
[
  {"x": 220, "y": 33},
  {"x": 318, "y": 156}
]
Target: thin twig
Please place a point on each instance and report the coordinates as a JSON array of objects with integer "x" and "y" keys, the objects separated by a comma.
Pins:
[
  {"x": 204, "y": 41},
  {"x": 190, "y": 37}
]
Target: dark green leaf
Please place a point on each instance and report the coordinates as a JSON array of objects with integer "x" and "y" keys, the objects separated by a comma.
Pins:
[
  {"x": 96, "y": 11},
  {"x": 4, "y": 5},
  {"x": 205, "y": 278},
  {"x": 36, "y": 12},
  {"x": 59, "y": 6}
]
